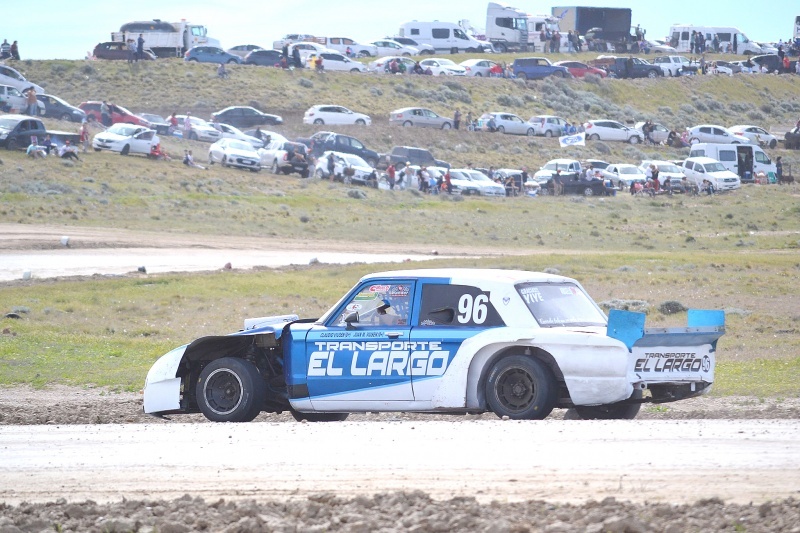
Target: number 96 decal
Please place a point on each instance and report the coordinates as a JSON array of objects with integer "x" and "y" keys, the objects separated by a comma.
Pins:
[{"x": 472, "y": 309}]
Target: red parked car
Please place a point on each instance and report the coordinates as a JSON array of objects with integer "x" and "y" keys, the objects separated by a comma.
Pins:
[
  {"x": 118, "y": 114},
  {"x": 579, "y": 70}
]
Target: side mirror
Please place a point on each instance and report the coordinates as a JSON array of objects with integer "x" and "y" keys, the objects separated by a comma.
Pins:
[{"x": 351, "y": 319}]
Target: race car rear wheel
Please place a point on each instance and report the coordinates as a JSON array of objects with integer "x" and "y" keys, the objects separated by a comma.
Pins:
[
  {"x": 230, "y": 390},
  {"x": 617, "y": 411},
  {"x": 319, "y": 417},
  {"x": 521, "y": 388}
]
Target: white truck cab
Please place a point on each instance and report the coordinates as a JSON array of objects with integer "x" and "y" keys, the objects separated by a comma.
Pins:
[{"x": 745, "y": 160}]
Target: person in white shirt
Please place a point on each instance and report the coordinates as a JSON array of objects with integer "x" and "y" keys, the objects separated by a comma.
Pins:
[{"x": 67, "y": 151}]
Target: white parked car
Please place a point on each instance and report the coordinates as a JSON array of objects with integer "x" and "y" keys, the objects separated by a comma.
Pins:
[
  {"x": 460, "y": 184},
  {"x": 305, "y": 49},
  {"x": 420, "y": 117},
  {"x": 611, "y": 130},
  {"x": 757, "y": 135},
  {"x": 201, "y": 130},
  {"x": 566, "y": 166},
  {"x": 423, "y": 48},
  {"x": 659, "y": 133},
  {"x": 234, "y": 153},
  {"x": 709, "y": 133},
  {"x": 243, "y": 49},
  {"x": 360, "y": 168},
  {"x": 334, "y": 114},
  {"x": 672, "y": 65},
  {"x": 547, "y": 125},
  {"x": 381, "y": 65},
  {"x": 284, "y": 156},
  {"x": 478, "y": 68},
  {"x": 666, "y": 169},
  {"x": 487, "y": 187},
  {"x": 442, "y": 67},
  {"x": 18, "y": 101},
  {"x": 508, "y": 123},
  {"x": 229, "y": 132},
  {"x": 660, "y": 46},
  {"x": 126, "y": 139},
  {"x": 622, "y": 175},
  {"x": 334, "y": 61},
  {"x": 389, "y": 47},
  {"x": 341, "y": 44},
  {"x": 10, "y": 76},
  {"x": 697, "y": 169}
]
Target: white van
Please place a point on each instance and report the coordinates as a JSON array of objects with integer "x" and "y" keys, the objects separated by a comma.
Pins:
[
  {"x": 443, "y": 36},
  {"x": 745, "y": 160},
  {"x": 731, "y": 40}
]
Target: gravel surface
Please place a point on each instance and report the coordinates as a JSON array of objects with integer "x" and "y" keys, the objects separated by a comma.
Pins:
[{"x": 391, "y": 511}]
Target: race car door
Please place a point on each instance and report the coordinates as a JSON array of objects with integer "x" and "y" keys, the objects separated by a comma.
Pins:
[
  {"x": 359, "y": 359},
  {"x": 448, "y": 315}
]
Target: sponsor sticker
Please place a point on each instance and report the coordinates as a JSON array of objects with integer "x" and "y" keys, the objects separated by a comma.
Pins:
[
  {"x": 399, "y": 290},
  {"x": 379, "y": 288},
  {"x": 365, "y": 297},
  {"x": 354, "y": 306}
]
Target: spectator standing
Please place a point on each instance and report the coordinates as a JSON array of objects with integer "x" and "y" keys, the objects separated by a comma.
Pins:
[
  {"x": 448, "y": 185},
  {"x": 187, "y": 126},
  {"x": 779, "y": 169},
  {"x": 105, "y": 114},
  {"x": 14, "y": 50},
  {"x": 285, "y": 51},
  {"x": 296, "y": 57},
  {"x": 33, "y": 102},
  {"x": 173, "y": 123},
  {"x": 331, "y": 166},
  {"x": 140, "y": 48},
  {"x": 84, "y": 136},
  {"x": 5, "y": 49},
  {"x": 456, "y": 119},
  {"x": 390, "y": 172}
]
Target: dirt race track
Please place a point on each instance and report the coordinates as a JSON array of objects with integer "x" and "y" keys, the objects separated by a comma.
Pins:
[{"x": 704, "y": 465}]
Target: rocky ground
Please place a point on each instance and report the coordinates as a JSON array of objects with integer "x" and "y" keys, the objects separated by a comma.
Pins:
[{"x": 397, "y": 511}]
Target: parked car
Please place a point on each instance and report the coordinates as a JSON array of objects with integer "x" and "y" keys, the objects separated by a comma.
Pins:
[
  {"x": 706, "y": 133},
  {"x": 12, "y": 77},
  {"x": 336, "y": 62},
  {"x": 343, "y": 44},
  {"x": 459, "y": 184},
  {"x": 55, "y": 107},
  {"x": 242, "y": 50},
  {"x": 201, "y": 130},
  {"x": 659, "y": 133},
  {"x": 508, "y": 123},
  {"x": 305, "y": 49},
  {"x": 659, "y": 46},
  {"x": 791, "y": 139},
  {"x": 574, "y": 185},
  {"x": 486, "y": 186},
  {"x": 423, "y": 48},
  {"x": 324, "y": 141},
  {"x": 210, "y": 54},
  {"x": 547, "y": 125},
  {"x": 285, "y": 156},
  {"x": 413, "y": 156},
  {"x": 157, "y": 122},
  {"x": 568, "y": 167},
  {"x": 611, "y": 130},
  {"x": 672, "y": 65},
  {"x": 245, "y": 117},
  {"x": 126, "y": 139},
  {"x": 348, "y": 168},
  {"x": 234, "y": 153},
  {"x": 16, "y": 101},
  {"x": 579, "y": 70},
  {"x": 118, "y": 114},
  {"x": 16, "y": 131},
  {"x": 596, "y": 163},
  {"x": 757, "y": 135},
  {"x": 537, "y": 68},
  {"x": 666, "y": 169},
  {"x": 627, "y": 67},
  {"x": 116, "y": 50},
  {"x": 389, "y": 47},
  {"x": 478, "y": 68},
  {"x": 230, "y": 132},
  {"x": 696, "y": 169},
  {"x": 334, "y": 114},
  {"x": 265, "y": 58},
  {"x": 442, "y": 67},
  {"x": 772, "y": 62},
  {"x": 290, "y": 38},
  {"x": 381, "y": 65},
  {"x": 420, "y": 117},
  {"x": 622, "y": 175}
]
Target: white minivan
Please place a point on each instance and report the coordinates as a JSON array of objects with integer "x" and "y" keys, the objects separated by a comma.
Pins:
[
  {"x": 744, "y": 160},
  {"x": 731, "y": 40},
  {"x": 443, "y": 36}
]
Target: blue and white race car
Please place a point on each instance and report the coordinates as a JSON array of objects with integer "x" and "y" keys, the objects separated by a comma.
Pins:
[{"x": 516, "y": 343}]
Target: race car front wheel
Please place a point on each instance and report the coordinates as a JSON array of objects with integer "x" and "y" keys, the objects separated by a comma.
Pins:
[
  {"x": 230, "y": 390},
  {"x": 521, "y": 388}
]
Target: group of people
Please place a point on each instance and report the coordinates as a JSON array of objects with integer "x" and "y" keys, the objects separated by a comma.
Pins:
[
  {"x": 47, "y": 146},
  {"x": 135, "y": 49},
  {"x": 9, "y": 51}
]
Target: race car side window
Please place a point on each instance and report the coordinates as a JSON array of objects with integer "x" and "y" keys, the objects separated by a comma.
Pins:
[
  {"x": 379, "y": 303},
  {"x": 457, "y": 306}
]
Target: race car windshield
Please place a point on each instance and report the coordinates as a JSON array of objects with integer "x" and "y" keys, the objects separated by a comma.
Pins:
[{"x": 556, "y": 305}]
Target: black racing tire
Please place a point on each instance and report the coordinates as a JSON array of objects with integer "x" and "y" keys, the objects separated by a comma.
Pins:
[
  {"x": 125, "y": 150},
  {"x": 319, "y": 417},
  {"x": 319, "y": 121},
  {"x": 616, "y": 411},
  {"x": 230, "y": 390},
  {"x": 522, "y": 76},
  {"x": 521, "y": 388},
  {"x": 11, "y": 144}
]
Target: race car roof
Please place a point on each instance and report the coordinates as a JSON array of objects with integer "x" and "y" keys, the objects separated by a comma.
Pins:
[{"x": 469, "y": 275}]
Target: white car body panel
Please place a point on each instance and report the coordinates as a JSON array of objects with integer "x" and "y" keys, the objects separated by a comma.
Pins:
[
  {"x": 443, "y": 67},
  {"x": 140, "y": 140},
  {"x": 388, "y": 47},
  {"x": 333, "y": 114}
]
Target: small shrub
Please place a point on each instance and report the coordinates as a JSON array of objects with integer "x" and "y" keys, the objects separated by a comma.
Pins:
[
  {"x": 374, "y": 91},
  {"x": 507, "y": 100},
  {"x": 304, "y": 82},
  {"x": 671, "y": 307}
]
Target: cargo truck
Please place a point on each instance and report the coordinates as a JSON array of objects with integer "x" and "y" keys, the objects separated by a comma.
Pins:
[
  {"x": 603, "y": 28},
  {"x": 165, "y": 39}
]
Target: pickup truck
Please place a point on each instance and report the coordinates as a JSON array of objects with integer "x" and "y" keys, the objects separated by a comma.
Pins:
[
  {"x": 324, "y": 141},
  {"x": 515, "y": 343},
  {"x": 16, "y": 132},
  {"x": 537, "y": 68},
  {"x": 627, "y": 67}
]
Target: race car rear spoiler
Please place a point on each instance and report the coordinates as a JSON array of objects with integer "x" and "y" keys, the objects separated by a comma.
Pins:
[{"x": 703, "y": 327}]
